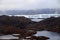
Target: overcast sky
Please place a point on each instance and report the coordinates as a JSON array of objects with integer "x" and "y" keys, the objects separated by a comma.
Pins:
[{"x": 29, "y": 4}]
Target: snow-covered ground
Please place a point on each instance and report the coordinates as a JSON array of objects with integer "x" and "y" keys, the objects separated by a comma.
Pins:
[
  {"x": 36, "y": 20},
  {"x": 51, "y": 35},
  {"x": 8, "y": 37},
  {"x": 40, "y": 15}
]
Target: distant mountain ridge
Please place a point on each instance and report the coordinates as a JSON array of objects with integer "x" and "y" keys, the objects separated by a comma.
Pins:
[{"x": 30, "y": 12}]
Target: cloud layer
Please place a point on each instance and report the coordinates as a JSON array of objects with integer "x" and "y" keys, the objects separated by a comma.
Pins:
[{"x": 29, "y": 4}]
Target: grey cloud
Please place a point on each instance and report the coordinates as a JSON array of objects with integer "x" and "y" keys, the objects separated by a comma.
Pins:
[{"x": 29, "y": 4}]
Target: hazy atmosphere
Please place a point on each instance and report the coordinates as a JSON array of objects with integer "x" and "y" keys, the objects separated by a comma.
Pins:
[
  {"x": 28, "y": 4},
  {"x": 30, "y": 19}
]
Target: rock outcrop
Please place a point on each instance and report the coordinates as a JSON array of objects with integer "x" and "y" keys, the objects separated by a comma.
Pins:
[
  {"x": 25, "y": 27},
  {"x": 50, "y": 24}
]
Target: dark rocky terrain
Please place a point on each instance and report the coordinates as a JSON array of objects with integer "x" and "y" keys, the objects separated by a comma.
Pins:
[
  {"x": 25, "y": 27},
  {"x": 51, "y": 24},
  {"x": 15, "y": 25}
]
